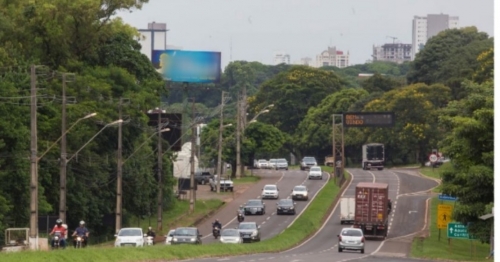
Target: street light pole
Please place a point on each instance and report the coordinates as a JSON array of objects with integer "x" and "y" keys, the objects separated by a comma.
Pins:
[
  {"x": 238, "y": 138},
  {"x": 119, "y": 175},
  {"x": 160, "y": 175},
  {"x": 219, "y": 154},
  {"x": 63, "y": 163},
  {"x": 192, "y": 196}
]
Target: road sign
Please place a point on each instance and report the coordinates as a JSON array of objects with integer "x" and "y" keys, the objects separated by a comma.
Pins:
[
  {"x": 369, "y": 119},
  {"x": 444, "y": 215},
  {"x": 447, "y": 198},
  {"x": 433, "y": 158},
  {"x": 458, "y": 230}
]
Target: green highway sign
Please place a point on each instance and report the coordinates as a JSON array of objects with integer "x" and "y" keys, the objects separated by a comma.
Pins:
[{"x": 458, "y": 230}]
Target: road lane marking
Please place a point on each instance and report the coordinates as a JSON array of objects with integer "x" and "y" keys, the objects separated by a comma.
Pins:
[
  {"x": 373, "y": 175},
  {"x": 327, "y": 219}
]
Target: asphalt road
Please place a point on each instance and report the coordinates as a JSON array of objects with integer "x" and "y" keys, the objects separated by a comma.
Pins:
[
  {"x": 408, "y": 192},
  {"x": 271, "y": 224}
]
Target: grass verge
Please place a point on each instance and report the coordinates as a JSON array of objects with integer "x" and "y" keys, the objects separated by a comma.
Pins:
[
  {"x": 246, "y": 180},
  {"x": 435, "y": 173},
  {"x": 457, "y": 250},
  {"x": 309, "y": 222}
]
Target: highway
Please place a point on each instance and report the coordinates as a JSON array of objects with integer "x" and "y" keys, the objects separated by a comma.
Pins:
[
  {"x": 271, "y": 224},
  {"x": 408, "y": 216}
]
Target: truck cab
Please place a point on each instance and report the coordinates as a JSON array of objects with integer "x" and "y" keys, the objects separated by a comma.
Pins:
[{"x": 373, "y": 156}]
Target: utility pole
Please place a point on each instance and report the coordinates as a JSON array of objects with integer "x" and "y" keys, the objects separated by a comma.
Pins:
[
  {"x": 192, "y": 197},
  {"x": 33, "y": 162},
  {"x": 338, "y": 147},
  {"x": 238, "y": 137},
  {"x": 243, "y": 120},
  {"x": 219, "y": 155},
  {"x": 119, "y": 172},
  {"x": 63, "y": 162},
  {"x": 160, "y": 174}
]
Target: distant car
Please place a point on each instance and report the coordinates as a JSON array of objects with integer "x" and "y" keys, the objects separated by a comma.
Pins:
[
  {"x": 285, "y": 206},
  {"x": 300, "y": 192},
  {"x": 351, "y": 239},
  {"x": 255, "y": 207},
  {"x": 230, "y": 236},
  {"x": 202, "y": 177},
  {"x": 281, "y": 164},
  {"x": 130, "y": 236},
  {"x": 262, "y": 164},
  {"x": 186, "y": 235},
  {"x": 272, "y": 163},
  {"x": 315, "y": 173},
  {"x": 307, "y": 162},
  {"x": 169, "y": 236},
  {"x": 249, "y": 231},
  {"x": 270, "y": 191}
]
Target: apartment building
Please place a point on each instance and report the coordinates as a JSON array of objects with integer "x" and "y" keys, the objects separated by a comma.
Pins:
[{"x": 425, "y": 27}]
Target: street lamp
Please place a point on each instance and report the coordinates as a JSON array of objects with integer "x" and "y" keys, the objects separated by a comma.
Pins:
[
  {"x": 92, "y": 138},
  {"x": 67, "y": 131},
  {"x": 219, "y": 157}
]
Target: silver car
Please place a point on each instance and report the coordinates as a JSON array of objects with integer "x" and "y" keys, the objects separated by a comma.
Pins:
[
  {"x": 351, "y": 239},
  {"x": 281, "y": 164},
  {"x": 230, "y": 236},
  {"x": 249, "y": 231}
]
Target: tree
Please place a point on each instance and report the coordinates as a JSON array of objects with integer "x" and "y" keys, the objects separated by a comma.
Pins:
[
  {"x": 379, "y": 83},
  {"x": 262, "y": 138},
  {"x": 315, "y": 131},
  {"x": 416, "y": 109},
  {"x": 469, "y": 144},
  {"x": 449, "y": 58},
  {"x": 293, "y": 92}
]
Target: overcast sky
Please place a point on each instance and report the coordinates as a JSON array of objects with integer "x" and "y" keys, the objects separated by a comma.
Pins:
[{"x": 301, "y": 28}]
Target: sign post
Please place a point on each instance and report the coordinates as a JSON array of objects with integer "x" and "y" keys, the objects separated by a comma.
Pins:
[
  {"x": 458, "y": 230},
  {"x": 443, "y": 217},
  {"x": 433, "y": 158}
]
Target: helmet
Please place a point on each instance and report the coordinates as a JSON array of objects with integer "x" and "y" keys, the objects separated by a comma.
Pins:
[
  {"x": 217, "y": 220},
  {"x": 150, "y": 228},
  {"x": 82, "y": 223},
  {"x": 59, "y": 222}
]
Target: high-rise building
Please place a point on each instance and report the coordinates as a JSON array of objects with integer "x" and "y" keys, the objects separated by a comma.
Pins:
[
  {"x": 425, "y": 27},
  {"x": 395, "y": 52},
  {"x": 304, "y": 61},
  {"x": 281, "y": 58},
  {"x": 332, "y": 57}
]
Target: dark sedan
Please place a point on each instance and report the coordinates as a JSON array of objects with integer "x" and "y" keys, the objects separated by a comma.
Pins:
[
  {"x": 186, "y": 235},
  {"x": 285, "y": 206},
  {"x": 255, "y": 207}
]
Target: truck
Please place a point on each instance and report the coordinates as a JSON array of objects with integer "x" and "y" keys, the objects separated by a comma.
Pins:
[
  {"x": 373, "y": 156},
  {"x": 329, "y": 161},
  {"x": 371, "y": 209},
  {"x": 202, "y": 177},
  {"x": 347, "y": 207},
  {"x": 225, "y": 184}
]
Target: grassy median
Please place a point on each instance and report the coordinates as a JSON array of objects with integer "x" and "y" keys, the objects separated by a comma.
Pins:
[{"x": 304, "y": 226}]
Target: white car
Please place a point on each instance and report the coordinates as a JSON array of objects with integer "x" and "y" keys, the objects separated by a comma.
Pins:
[
  {"x": 169, "y": 236},
  {"x": 272, "y": 163},
  {"x": 130, "y": 236},
  {"x": 315, "y": 173},
  {"x": 230, "y": 236},
  {"x": 281, "y": 164},
  {"x": 270, "y": 191},
  {"x": 300, "y": 192},
  {"x": 262, "y": 163}
]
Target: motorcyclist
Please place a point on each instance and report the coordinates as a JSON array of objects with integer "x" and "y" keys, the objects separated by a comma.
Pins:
[
  {"x": 59, "y": 228},
  {"x": 151, "y": 233},
  {"x": 82, "y": 232},
  {"x": 240, "y": 212},
  {"x": 216, "y": 224}
]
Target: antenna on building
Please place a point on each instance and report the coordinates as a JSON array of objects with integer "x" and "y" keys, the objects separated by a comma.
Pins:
[
  {"x": 393, "y": 38},
  {"x": 231, "y": 49}
]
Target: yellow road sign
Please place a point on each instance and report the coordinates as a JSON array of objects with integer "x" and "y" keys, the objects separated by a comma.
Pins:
[{"x": 444, "y": 216}]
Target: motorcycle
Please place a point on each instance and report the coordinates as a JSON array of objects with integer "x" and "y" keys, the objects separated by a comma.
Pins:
[
  {"x": 149, "y": 241},
  {"x": 216, "y": 232},
  {"x": 241, "y": 218},
  {"x": 79, "y": 241},
  {"x": 57, "y": 240}
]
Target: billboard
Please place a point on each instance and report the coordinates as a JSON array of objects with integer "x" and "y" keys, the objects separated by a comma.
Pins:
[{"x": 188, "y": 66}]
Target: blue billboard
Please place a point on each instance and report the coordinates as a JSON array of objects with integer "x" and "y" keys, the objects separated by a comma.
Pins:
[{"x": 188, "y": 66}]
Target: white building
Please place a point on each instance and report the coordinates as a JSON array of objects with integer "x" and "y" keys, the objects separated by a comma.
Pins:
[
  {"x": 305, "y": 61},
  {"x": 281, "y": 58},
  {"x": 395, "y": 52},
  {"x": 425, "y": 27},
  {"x": 332, "y": 57},
  {"x": 182, "y": 166}
]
